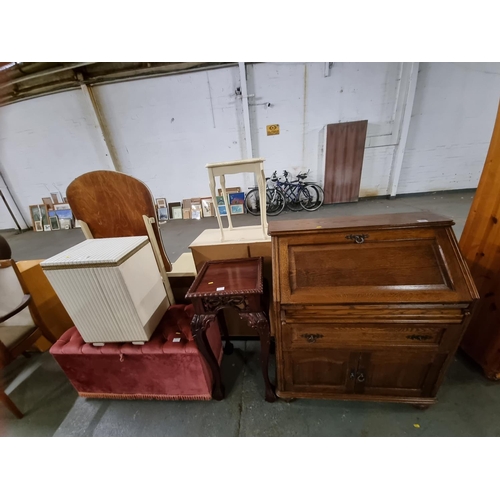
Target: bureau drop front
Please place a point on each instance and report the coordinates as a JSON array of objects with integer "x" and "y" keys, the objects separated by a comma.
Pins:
[{"x": 368, "y": 308}]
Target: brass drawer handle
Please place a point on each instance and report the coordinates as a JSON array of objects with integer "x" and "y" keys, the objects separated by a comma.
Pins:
[
  {"x": 419, "y": 337},
  {"x": 361, "y": 377},
  {"x": 312, "y": 337},
  {"x": 357, "y": 238}
]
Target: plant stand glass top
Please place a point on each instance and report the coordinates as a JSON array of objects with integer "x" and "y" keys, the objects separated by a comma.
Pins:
[{"x": 255, "y": 165}]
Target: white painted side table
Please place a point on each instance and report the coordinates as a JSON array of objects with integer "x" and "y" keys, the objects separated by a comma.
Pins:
[{"x": 255, "y": 165}]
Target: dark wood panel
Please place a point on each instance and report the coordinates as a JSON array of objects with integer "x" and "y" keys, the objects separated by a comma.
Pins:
[
  {"x": 345, "y": 147},
  {"x": 112, "y": 204},
  {"x": 407, "y": 372},
  {"x": 320, "y": 371}
]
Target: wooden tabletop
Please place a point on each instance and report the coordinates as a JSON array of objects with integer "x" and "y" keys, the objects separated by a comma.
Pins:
[
  {"x": 379, "y": 221},
  {"x": 228, "y": 277}
]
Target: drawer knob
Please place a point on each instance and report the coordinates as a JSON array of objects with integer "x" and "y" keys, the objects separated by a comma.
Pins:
[
  {"x": 361, "y": 377},
  {"x": 311, "y": 337},
  {"x": 419, "y": 337},
  {"x": 357, "y": 238}
]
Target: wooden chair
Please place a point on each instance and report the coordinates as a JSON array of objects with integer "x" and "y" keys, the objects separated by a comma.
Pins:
[
  {"x": 20, "y": 323},
  {"x": 113, "y": 205}
]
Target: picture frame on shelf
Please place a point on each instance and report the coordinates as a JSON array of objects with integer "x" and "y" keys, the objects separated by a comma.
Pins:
[
  {"x": 171, "y": 206},
  {"x": 162, "y": 215},
  {"x": 236, "y": 203},
  {"x": 54, "y": 223},
  {"x": 161, "y": 203},
  {"x": 62, "y": 206},
  {"x": 207, "y": 207},
  {"x": 221, "y": 207},
  {"x": 177, "y": 212},
  {"x": 65, "y": 223},
  {"x": 196, "y": 211},
  {"x": 48, "y": 203},
  {"x": 230, "y": 190}
]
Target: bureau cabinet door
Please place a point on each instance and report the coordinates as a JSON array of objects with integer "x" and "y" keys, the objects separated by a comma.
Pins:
[
  {"x": 392, "y": 372},
  {"x": 400, "y": 266},
  {"x": 327, "y": 371}
]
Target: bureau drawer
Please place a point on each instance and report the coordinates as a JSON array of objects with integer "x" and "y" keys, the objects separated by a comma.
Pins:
[
  {"x": 406, "y": 314},
  {"x": 313, "y": 336}
]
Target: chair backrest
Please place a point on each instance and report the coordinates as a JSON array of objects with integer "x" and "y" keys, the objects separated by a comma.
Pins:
[
  {"x": 11, "y": 295},
  {"x": 112, "y": 205}
]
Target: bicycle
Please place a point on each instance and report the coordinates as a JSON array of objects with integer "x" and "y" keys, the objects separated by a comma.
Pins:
[
  {"x": 300, "y": 195},
  {"x": 275, "y": 200}
]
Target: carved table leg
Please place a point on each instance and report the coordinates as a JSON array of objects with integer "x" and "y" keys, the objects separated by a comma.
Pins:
[
  {"x": 259, "y": 321},
  {"x": 199, "y": 325},
  {"x": 228, "y": 346}
]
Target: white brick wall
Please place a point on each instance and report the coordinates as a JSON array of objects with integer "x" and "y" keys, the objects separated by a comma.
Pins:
[
  {"x": 451, "y": 125},
  {"x": 166, "y": 129}
]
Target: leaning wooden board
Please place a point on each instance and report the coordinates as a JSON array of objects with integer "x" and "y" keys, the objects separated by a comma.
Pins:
[
  {"x": 368, "y": 308},
  {"x": 345, "y": 147},
  {"x": 480, "y": 244}
]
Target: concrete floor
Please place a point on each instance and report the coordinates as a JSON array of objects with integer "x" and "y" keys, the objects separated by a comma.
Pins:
[{"x": 468, "y": 403}]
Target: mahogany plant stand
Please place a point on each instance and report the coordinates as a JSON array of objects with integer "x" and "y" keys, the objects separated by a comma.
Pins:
[{"x": 238, "y": 284}]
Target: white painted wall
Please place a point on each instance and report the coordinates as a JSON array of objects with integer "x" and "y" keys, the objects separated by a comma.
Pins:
[
  {"x": 166, "y": 129},
  {"x": 44, "y": 144},
  {"x": 451, "y": 125}
]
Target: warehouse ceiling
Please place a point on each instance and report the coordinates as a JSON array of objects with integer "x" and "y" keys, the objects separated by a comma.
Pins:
[{"x": 25, "y": 80}]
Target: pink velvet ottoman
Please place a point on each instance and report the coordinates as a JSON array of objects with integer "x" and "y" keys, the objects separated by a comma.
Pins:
[{"x": 159, "y": 369}]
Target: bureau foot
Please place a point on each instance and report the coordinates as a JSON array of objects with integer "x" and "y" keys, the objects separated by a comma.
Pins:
[
  {"x": 218, "y": 393},
  {"x": 421, "y": 407},
  {"x": 492, "y": 375},
  {"x": 288, "y": 400}
]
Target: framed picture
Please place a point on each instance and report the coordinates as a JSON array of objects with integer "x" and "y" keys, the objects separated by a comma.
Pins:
[
  {"x": 221, "y": 207},
  {"x": 230, "y": 190},
  {"x": 177, "y": 212},
  {"x": 38, "y": 226},
  {"x": 170, "y": 209},
  {"x": 62, "y": 206},
  {"x": 162, "y": 214},
  {"x": 48, "y": 203},
  {"x": 161, "y": 202},
  {"x": 65, "y": 223},
  {"x": 207, "y": 207},
  {"x": 38, "y": 216},
  {"x": 196, "y": 211},
  {"x": 236, "y": 203},
  {"x": 47, "y": 227},
  {"x": 54, "y": 197},
  {"x": 54, "y": 223},
  {"x": 64, "y": 214}
]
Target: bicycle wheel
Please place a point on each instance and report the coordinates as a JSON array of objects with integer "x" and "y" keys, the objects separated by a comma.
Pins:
[
  {"x": 292, "y": 199},
  {"x": 311, "y": 197},
  {"x": 275, "y": 201},
  {"x": 252, "y": 202}
]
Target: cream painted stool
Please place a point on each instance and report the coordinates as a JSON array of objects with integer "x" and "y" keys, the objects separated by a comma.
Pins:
[{"x": 254, "y": 165}]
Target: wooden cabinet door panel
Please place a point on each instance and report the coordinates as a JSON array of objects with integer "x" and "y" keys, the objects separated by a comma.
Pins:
[
  {"x": 394, "y": 372},
  {"x": 387, "y": 267},
  {"x": 330, "y": 371}
]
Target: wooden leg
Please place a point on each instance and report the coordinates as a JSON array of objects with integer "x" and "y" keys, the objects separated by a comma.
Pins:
[
  {"x": 228, "y": 346},
  {"x": 259, "y": 321},
  {"x": 10, "y": 405},
  {"x": 199, "y": 325},
  {"x": 421, "y": 407},
  {"x": 492, "y": 375},
  {"x": 226, "y": 201}
]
